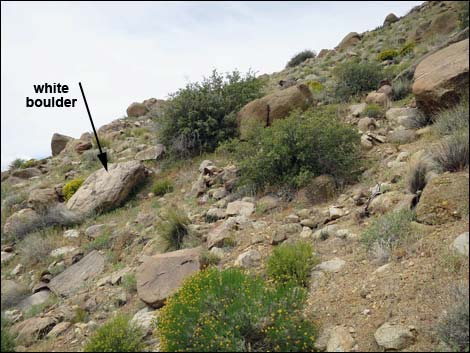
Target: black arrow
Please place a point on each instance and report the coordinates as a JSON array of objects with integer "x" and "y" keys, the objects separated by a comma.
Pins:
[{"x": 102, "y": 156}]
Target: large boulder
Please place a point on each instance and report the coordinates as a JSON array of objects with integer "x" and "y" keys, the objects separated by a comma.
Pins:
[
  {"x": 12, "y": 292},
  {"x": 350, "y": 40},
  {"x": 161, "y": 275},
  {"x": 391, "y": 18},
  {"x": 104, "y": 190},
  {"x": 41, "y": 199},
  {"x": 444, "y": 199},
  {"x": 22, "y": 222},
  {"x": 36, "y": 299},
  {"x": 33, "y": 329},
  {"x": 73, "y": 278},
  {"x": 137, "y": 109},
  {"x": 26, "y": 173},
  {"x": 441, "y": 79},
  {"x": 394, "y": 336},
  {"x": 58, "y": 143},
  {"x": 274, "y": 106}
]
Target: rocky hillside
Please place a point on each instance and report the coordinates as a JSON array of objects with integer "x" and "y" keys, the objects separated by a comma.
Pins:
[{"x": 328, "y": 210}]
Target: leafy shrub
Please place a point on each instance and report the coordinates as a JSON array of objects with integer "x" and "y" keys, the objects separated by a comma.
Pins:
[
  {"x": 452, "y": 120},
  {"x": 388, "y": 54},
  {"x": 452, "y": 153},
  {"x": 228, "y": 311},
  {"x": 463, "y": 17},
  {"x": 315, "y": 86},
  {"x": 71, "y": 187},
  {"x": 129, "y": 282},
  {"x": 201, "y": 115},
  {"x": 388, "y": 231},
  {"x": 162, "y": 187},
  {"x": 299, "y": 58},
  {"x": 208, "y": 259},
  {"x": 7, "y": 341},
  {"x": 354, "y": 78},
  {"x": 408, "y": 48},
  {"x": 373, "y": 111},
  {"x": 173, "y": 228},
  {"x": 291, "y": 262},
  {"x": 401, "y": 88},
  {"x": 117, "y": 335},
  {"x": 314, "y": 142},
  {"x": 453, "y": 328},
  {"x": 16, "y": 163}
]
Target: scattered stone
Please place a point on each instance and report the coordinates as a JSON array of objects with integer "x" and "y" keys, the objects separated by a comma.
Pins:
[
  {"x": 333, "y": 265},
  {"x": 336, "y": 212},
  {"x": 237, "y": 208},
  {"x": 268, "y": 203},
  {"x": 402, "y": 136},
  {"x": 71, "y": 233},
  {"x": 161, "y": 275},
  {"x": 340, "y": 340},
  {"x": 146, "y": 320},
  {"x": 366, "y": 124},
  {"x": 95, "y": 230},
  {"x": 64, "y": 250},
  {"x": 391, "y": 336},
  {"x": 214, "y": 214},
  {"x": 460, "y": 244},
  {"x": 59, "y": 329},
  {"x": 309, "y": 222},
  {"x": 378, "y": 98},
  {"x": 248, "y": 259},
  {"x": 306, "y": 233},
  {"x": 292, "y": 218},
  {"x": 33, "y": 329},
  {"x": 356, "y": 110},
  {"x": 219, "y": 236}
]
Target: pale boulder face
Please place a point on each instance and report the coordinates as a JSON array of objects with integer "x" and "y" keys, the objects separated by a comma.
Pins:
[
  {"x": 272, "y": 107},
  {"x": 441, "y": 79},
  {"x": 19, "y": 222},
  {"x": 391, "y": 336},
  {"x": 350, "y": 40},
  {"x": 58, "y": 143},
  {"x": 137, "y": 109},
  {"x": 391, "y": 18},
  {"x": 105, "y": 190},
  {"x": 151, "y": 153},
  {"x": 162, "y": 275}
]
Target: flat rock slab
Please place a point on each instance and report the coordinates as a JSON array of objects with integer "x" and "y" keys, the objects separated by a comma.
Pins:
[
  {"x": 70, "y": 280},
  {"x": 104, "y": 190},
  {"x": 162, "y": 275},
  {"x": 35, "y": 299}
]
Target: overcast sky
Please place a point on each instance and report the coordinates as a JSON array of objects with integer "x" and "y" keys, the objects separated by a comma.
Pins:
[{"x": 124, "y": 52}]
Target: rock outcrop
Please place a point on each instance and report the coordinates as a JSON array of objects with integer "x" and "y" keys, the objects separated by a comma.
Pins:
[
  {"x": 441, "y": 79},
  {"x": 275, "y": 106},
  {"x": 58, "y": 143}
]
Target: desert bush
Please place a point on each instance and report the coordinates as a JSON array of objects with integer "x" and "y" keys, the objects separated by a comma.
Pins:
[
  {"x": 228, "y": 311},
  {"x": 201, "y": 115},
  {"x": 453, "y": 327},
  {"x": 16, "y": 163},
  {"x": 388, "y": 54},
  {"x": 208, "y": 259},
  {"x": 291, "y": 262},
  {"x": 315, "y": 86},
  {"x": 408, "y": 48},
  {"x": 416, "y": 178},
  {"x": 36, "y": 247},
  {"x": 463, "y": 16},
  {"x": 71, "y": 187},
  {"x": 7, "y": 340},
  {"x": 401, "y": 88},
  {"x": 162, "y": 187},
  {"x": 173, "y": 228},
  {"x": 314, "y": 142},
  {"x": 117, "y": 335},
  {"x": 373, "y": 111},
  {"x": 452, "y": 152},
  {"x": 353, "y": 78},
  {"x": 388, "y": 231},
  {"x": 452, "y": 120},
  {"x": 101, "y": 242},
  {"x": 299, "y": 58},
  {"x": 129, "y": 282}
]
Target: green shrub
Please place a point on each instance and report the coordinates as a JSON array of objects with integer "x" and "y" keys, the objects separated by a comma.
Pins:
[
  {"x": 291, "y": 262},
  {"x": 388, "y": 231},
  {"x": 388, "y": 54},
  {"x": 315, "y": 86},
  {"x": 201, "y": 115},
  {"x": 117, "y": 335},
  {"x": 452, "y": 152},
  {"x": 7, "y": 341},
  {"x": 373, "y": 111},
  {"x": 208, "y": 259},
  {"x": 129, "y": 282},
  {"x": 162, "y": 187},
  {"x": 80, "y": 315},
  {"x": 408, "y": 48},
  {"x": 101, "y": 242},
  {"x": 452, "y": 120},
  {"x": 16, "y": 163},
  {"x": 453, "y": 327},
  {"x": 463, "y": 16},
  {"x": 299, "y": 58},
  {"x": 353, "y": 78},
  {"x": 228, "y": 311},
  {"x": 71, "y": 187},
  {"x": 173, "y": 228},
  {"x": 401, "y": 88},
  {"x": 314, "y": 142}
]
